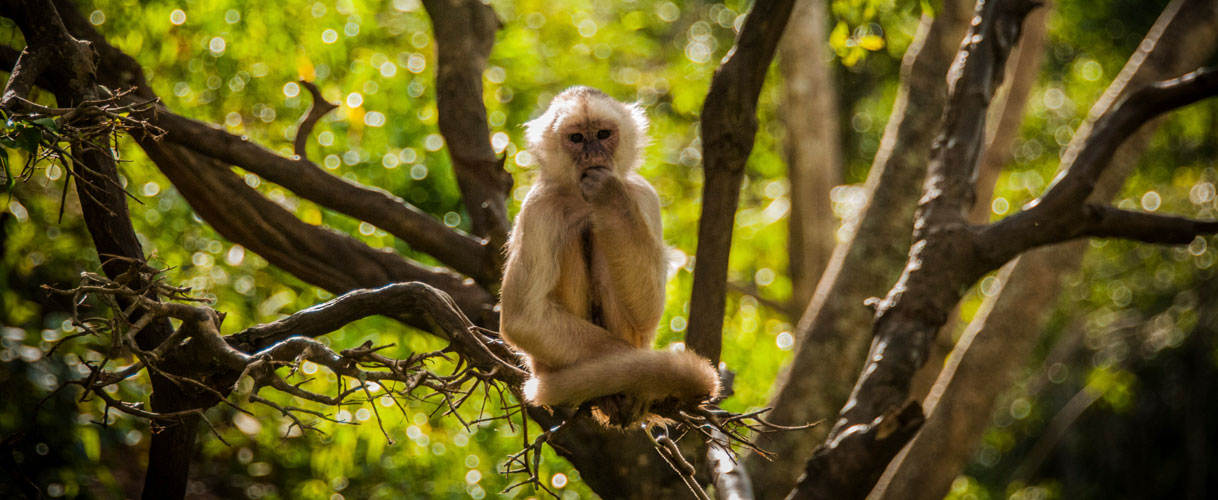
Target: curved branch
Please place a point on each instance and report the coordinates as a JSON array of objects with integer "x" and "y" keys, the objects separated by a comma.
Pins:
[
  {"x": 317, "y": 109},
  {"x": 1075, "y": 184},
  {"x": 729, "y": 124},
  {"x": 1062, "y": 213},
  {"x": 411, "y": 299},
  {"x": 331, "y": 260}
]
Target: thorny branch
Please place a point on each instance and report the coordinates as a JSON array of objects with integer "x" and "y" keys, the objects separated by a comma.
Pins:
[
  {"x": 365, "y": 374},
  {"x": 94, "y": 123},
  {"x": 275, "y": 355}
]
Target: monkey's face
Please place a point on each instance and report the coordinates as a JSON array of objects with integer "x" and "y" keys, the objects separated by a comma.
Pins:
[
  {"x": 590, "y": 144},
  {"x": 582, "y": 129}
]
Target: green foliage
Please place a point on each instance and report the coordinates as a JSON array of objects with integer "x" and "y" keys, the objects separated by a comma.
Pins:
[{"x": 236, "y": 64}]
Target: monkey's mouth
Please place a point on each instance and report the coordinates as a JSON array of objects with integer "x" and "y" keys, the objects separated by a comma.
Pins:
[{"x": 586, "y": 171}]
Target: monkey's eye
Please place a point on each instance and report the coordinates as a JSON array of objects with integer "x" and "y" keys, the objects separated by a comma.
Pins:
[
  {"x": 603, "y": 134},
  {"x": 577, "y": 138}
]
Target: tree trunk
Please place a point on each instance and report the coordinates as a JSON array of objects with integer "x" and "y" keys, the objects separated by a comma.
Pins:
[
  {"x": 1023, "y": 68},
  {"x": 833, "y": 333},
  {"x": 1001, "y": 337},
  {"x": 813, "y": 146}
]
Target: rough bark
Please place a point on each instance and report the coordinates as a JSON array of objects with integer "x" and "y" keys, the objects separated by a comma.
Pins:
[
  {"x": 1023, "y": 68},
  {"x": 876, "y": 421},
  {"x": 999, "y": 340},
  {"x": 812, "y": 146},
  {"x": 729, "y": 124},
  {"x": 832, "y": 338}
]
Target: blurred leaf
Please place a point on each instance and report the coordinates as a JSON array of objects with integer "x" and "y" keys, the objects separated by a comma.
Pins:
[{"x": 871, "y": 42}]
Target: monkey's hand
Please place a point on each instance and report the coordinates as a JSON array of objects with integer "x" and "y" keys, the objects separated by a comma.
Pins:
[{"x": 600, "y": 186}]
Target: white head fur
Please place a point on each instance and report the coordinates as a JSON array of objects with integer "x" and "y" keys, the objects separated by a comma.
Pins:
[{"x": 583, "y": 111}]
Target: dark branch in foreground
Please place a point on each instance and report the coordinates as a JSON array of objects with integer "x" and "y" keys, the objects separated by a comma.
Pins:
[
  {"x": 876, "y": 422},
  {"x": 1146, "y": 227}
]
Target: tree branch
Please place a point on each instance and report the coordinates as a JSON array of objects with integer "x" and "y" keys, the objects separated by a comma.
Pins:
[
  {"x": 72, "y": 64},
  {"x": 1075, "y": 184},
  {"x": 318, "y": 255},
  {"x": 465, "y": 33},
  {"x": 306, "y": 179},
  {"x": 411, "y": 299},
  {"x": 1062, "y": 212},
  {"x": 729, "y": 124},
  {"x": 833, "y": 332},
  {"x": 1109, "y": 222},
  {"x": 317, "y": 109},
  {"x": 972, "y": 80}
]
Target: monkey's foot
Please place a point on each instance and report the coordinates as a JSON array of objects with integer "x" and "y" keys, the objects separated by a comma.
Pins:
[{"x": 619, "y": 410}]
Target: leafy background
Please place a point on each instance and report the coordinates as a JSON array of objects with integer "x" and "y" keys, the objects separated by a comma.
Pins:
[{"x": 232, "y": 63}]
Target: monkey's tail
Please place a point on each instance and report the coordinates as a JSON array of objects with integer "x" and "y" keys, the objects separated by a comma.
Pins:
[{"x": 642, "y": 373}]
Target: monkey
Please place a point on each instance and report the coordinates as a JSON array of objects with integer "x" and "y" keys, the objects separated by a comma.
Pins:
[{"x": 583, "y": 285}]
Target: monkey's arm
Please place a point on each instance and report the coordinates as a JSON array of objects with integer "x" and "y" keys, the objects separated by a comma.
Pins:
[
  {"x": 530, "y": 319},
  {"x": 627, "y": 220}
]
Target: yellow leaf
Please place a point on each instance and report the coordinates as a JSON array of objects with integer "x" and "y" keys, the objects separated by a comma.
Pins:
[
  {"x": 871, "y": 42},
  {"x": 837, "y": 38}
]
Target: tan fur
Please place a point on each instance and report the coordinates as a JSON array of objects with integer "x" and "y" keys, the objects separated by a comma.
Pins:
[{"x": 583, "y": 289}]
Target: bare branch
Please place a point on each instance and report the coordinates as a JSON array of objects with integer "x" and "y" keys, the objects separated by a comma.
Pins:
[
  {"x": 319, "y": 108},
  {"x": 331, "y": 260},
  {"x": 411, "y": 299},
  {"x": 834, "y": 467},
  {"x": 199, "y": 338},
  {"x": 1075, "y": 184},
  {"x": 1109, "y": 222},
  {"x": 71, "y": 64},
  {"x": 833, "y": 333},
  {"x": 1063, "y": 212},
  {"x": 972, "y": 81},
  {"x": 465, "y": 33},
  {"x": 375, "y": 206},
  {"x": 729, "y": 123},
  {"x": 315, "y": 254}
]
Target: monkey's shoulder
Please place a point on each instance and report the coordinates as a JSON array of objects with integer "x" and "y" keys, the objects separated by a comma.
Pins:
[{"x": 553, "y": 212}]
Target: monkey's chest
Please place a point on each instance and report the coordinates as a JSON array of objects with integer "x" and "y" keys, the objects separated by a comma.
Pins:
[{"x": 583, "y": 277}]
